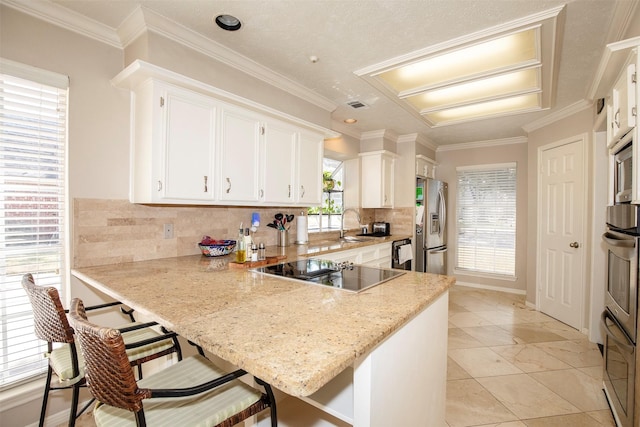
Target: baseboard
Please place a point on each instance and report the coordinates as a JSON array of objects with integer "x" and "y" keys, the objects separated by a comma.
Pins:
[{"x": 491, "y": 288}]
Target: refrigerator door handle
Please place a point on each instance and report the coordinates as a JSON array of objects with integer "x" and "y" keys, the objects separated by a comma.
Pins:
[
  {"x": 442, "y": 211},
  {"x": 438, "y": 251}
]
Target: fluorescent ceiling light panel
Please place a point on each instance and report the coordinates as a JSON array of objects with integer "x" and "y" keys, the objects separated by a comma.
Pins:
[
  {"x": 507, "y": 69},
  {"x": 501, "y": 53},
  {"x": 500, "y": 107},
  {"x": 477, "y": 90}
]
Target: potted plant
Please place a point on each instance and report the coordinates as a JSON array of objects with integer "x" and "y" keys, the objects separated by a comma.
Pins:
[{"x": 328, "y": 183}]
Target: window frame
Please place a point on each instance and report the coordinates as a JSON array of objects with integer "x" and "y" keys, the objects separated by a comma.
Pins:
[
  {"x": 59, "y": 244},
  {"x": 493, "y": 272}
]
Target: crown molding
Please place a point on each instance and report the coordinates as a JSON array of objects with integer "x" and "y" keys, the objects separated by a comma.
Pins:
[
  {"x": 483, "y": 144},
  {"x": 345, "y": 129},
  {"x": 558, "y": 115},
  {"x": 418, "y": 138},
  {"x": 380, "y": 133},
  {"x": 143, "y": 19},
  {"x": 623, "y": 17},
  {"x": 67, "y": 19}
]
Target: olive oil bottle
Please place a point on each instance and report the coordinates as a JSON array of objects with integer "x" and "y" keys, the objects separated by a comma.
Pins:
[{"x": 241, "y": 248}]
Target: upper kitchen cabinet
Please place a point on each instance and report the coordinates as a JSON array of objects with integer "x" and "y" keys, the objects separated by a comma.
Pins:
[
  {"x": 377, "y": 170},
  {"x": 172, "y": 147},
  {"x": 195, "y": 144},
  {"x": 621, "y": 109},
  {"x": 239, "y": 155},
  {"x": 310, "y": 150}
]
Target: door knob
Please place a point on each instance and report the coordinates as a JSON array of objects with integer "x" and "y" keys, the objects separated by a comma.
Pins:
[{"x": 574, "y": 245}]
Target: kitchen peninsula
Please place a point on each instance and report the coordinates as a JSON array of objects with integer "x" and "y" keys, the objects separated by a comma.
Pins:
[{"x": 389, "y": 341}]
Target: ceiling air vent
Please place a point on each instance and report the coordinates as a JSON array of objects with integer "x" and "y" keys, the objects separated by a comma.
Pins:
[{"x": 357, "y": 104}]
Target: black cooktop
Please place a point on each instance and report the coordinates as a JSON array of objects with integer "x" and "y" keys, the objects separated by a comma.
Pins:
[{"x": 347, "y": 276}]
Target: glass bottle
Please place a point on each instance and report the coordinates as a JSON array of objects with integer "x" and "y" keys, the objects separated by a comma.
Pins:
[{"x": 241, "y": 248}]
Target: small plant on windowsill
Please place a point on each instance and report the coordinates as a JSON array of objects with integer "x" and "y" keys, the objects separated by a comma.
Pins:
[{"x": 328, "y": 183}]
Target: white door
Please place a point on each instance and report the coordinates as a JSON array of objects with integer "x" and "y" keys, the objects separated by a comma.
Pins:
[{"x": 561, "y": 230}]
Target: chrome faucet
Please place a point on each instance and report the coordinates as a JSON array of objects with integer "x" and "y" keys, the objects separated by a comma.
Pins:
[{"x": 342, "y": 220}]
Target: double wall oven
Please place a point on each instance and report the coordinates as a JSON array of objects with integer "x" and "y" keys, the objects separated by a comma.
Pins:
[{"x": 619, "y": 320}]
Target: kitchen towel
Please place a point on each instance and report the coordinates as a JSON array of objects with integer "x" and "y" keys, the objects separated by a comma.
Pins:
[
  {"x": 405, "y": 253},
  {"x": 302, "y": 236},
  {"x": 420, "y": 215}
]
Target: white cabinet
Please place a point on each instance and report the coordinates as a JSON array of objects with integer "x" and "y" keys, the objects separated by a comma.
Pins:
[
  {"x": 378, "y": 255},
  {"x": 377, "y": 168},
  {"x": 194, "y": 144},
  {"x": 172, "y": 148},
  {"x": 239, "y": 155},
  {"x": 425, "y": 167},
  {"x": 622, "y": 116},
  {"x": 292, "y": 165},
  {"x": 309, "y": 169}
]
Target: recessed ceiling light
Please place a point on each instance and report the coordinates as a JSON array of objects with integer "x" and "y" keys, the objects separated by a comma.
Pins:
[
  {"x": 350, "y": 121},
  {"x": 228, "y": 22}
]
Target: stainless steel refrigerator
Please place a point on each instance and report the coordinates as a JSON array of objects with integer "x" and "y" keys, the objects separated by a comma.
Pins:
[{"x": 431, "y": 219}]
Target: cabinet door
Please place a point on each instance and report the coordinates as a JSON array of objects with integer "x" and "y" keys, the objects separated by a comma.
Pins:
[
  {"x": 377, "y": 181},
  {"x": 239, "y": 143},
  {"x": 386, "y": 197},
  {"x": 309, "y": 163},
  {"x": 624, "y": 103},
  {"x": 279, "y": 147},
  {"x": 189, "y": 135}
]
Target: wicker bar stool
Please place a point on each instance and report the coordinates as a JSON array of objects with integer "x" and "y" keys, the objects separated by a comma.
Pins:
[
  {"x": 52, "y": 325},
  {"x": 191, "y": 392}
]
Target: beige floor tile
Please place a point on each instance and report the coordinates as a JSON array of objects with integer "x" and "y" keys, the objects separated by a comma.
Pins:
[
  {"x": 593, "y": 371},
  {"x": 563, "y": 330},
  {"x": 577, "y": 353},
  {"x": 529, "y": 358},
  {"x": 460, "y": 339},
  {"x": 578, "y": 388},
  {"x": 491, "y": 335},
  {"x": 574, "y": 420},
  {"x": 455, "y": 371},
  {"x": 482, "y": 362},
  {"x": 456, "y": 308},
  {"x": 526, "y": 333},
  {"x": 467, "y": 319},
  {"x": 469, "y": 404},
  {"x": 526, "y": 397},
  {"x": 604, "y": 418}
]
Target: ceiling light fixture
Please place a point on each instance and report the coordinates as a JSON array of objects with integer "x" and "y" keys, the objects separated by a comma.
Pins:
[
  {"x": 350, "y": 121},
  {"x": 508, "y": 69},
  {"x": 228, "y": 22}
]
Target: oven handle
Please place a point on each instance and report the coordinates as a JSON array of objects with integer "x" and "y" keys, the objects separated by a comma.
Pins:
[
  {"x": 613, "y": 240},
  {"x": 603, "y": 320}
]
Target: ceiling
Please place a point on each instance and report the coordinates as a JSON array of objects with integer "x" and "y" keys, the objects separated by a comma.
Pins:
[{"x": 350, "y": 35}]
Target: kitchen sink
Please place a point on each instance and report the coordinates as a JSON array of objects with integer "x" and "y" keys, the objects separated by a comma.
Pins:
[{"x": 357, "y": 238}]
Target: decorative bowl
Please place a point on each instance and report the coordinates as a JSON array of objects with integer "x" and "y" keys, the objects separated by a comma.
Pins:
[{"x": 223, "y": 247}]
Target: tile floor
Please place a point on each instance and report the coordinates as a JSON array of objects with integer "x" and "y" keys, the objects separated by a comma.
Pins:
[
  {"x": 509, "y": 366},
  {"x": 512, "y": 366}
]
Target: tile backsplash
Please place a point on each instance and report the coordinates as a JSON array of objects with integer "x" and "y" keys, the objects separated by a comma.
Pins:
[{"x": 114, "y": 231}]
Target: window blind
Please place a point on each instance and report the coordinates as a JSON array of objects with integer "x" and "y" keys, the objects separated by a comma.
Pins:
[
  {"x": 486, "y": 219},
  {"x": 33, "y": 117}
]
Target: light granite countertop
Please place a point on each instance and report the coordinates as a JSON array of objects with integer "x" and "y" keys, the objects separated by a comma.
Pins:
[{"x": 293, "y": 335}]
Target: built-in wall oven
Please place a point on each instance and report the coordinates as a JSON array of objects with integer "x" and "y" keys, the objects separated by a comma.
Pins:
[{"x": 619, "y": 319}]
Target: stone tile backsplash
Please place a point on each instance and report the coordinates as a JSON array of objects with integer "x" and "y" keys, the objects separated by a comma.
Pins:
[{"x": 114, "y": 231}]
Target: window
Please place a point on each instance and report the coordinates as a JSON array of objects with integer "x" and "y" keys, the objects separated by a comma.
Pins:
[
  {"x": 327, "y": 215},
  {"x": 33, "y": 116},
  {"x": 486, "y": 219}
]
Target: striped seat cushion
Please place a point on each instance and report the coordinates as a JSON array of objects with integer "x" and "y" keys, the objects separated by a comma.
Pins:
[
  {"x": 143, "y": 334},
  {"x": 60, "y": 358},
  {"x": 205, "y": 409}
]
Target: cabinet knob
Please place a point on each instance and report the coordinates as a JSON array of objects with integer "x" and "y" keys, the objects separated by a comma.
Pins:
[
  {"x": 159, "y": 185},
  {"x": 206, "y": 187},
  {"x": 574, "y": 245},
  {"x": 289, "y": 190},
  {"x": 616, "y": 118},
  {"x": 301, "y": 191},
  {"x": 229, "y": 187}
]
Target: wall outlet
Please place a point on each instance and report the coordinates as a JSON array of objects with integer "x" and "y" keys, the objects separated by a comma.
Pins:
[{"x": 168, "y": 231}]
